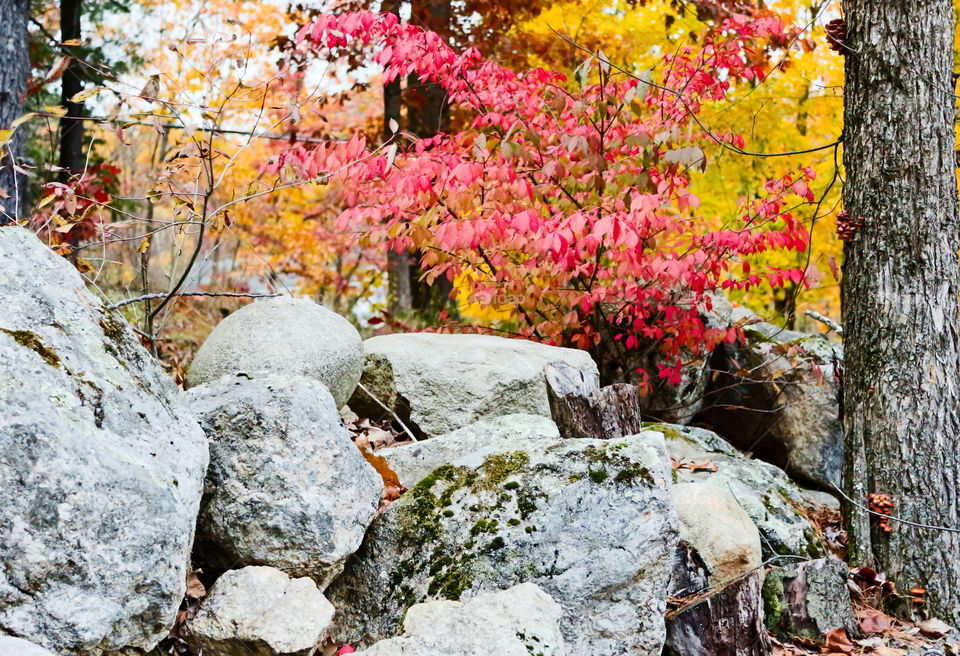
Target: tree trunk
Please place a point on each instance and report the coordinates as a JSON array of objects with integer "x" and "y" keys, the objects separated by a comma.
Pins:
[
  {"x": 71, "y": 125},
  {"x": 399, "y": 296},
  {"x": 902, "y": 371},
  {"x": 14, "y": 69},
  {"x": 428, "y": 113}
]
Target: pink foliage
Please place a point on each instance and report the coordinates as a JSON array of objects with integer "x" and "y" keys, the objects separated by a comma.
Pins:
[{"x": 573, "y": 199}]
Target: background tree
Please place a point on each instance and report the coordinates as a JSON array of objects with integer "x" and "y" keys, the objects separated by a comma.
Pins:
[
  {"x": 14, "y": 70},
  {"x": 900, "y": 285}
]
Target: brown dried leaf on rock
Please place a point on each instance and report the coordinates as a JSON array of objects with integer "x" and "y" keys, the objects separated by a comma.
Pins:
[
  {"x": 935, "y": 628},
  {"x": 195, "y": 588}
]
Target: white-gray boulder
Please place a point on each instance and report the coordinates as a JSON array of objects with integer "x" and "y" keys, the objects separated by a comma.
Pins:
[
  {"x": 468, "y": 446},
  {"x": 437, "y": 383},
  {"x": 589, "y": 521},
  {"x": 286, "y": 485},
  {"x": 519, "y": 621},
  {"x": 101, "y": 466},
  {"x": 713, "y": 523},
  {"x": 17, "y": 647},
  {"x": 767, "y": 495},
  {"x": 283, "y": 335},
  {"x": 260, "y": 611}
]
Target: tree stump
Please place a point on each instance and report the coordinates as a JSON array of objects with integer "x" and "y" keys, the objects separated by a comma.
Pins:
[{"x": 581, "y": 408}]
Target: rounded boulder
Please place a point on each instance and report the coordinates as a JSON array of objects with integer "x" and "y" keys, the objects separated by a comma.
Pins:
[{"x": 283, "y": 335}]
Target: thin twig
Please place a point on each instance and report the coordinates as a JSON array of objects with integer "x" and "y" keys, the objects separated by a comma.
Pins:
[
  {"x": 830, "y": 323},
  {"x": 383, "y": 405},
  {"x": 150, "y": 297}
]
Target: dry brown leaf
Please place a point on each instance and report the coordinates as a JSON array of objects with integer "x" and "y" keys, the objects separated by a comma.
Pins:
[
  {"x": 838, "y": 641},
  {"x": 889, "y": 651},
  {"x": 195, "y": 588},
  {"x": 934, "y": 628},
  {"x": 875, "y": 623}
]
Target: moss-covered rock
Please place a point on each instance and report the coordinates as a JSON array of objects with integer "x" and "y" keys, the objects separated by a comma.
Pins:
[
  {"x": 599, "y": 544},
  {"x": 806, "y": 600}
]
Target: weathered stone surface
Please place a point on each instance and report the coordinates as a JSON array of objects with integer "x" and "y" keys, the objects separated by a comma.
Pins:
[
  {"x": 468, "y": 446},
  {"x": 438, "y": 383},
  {"x": 285, "y": 335},
  {"x": 807, "y": 600},
  {"x": 260, "y": 611},
  {"x": 519, "y": 621},
  {"x": 101, "y": 466},
  {"x": 767, "y": 495},
  {"x": 286, "y": 485},
  {"x": 719, "y": 619},
  {"x": 589, "y": 521},
  {"x": 777, "y": 398},
  {"x": 714, "y": 524},
  {"x": 18, "y": 647}
]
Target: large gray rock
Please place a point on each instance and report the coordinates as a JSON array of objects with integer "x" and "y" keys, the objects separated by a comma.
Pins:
[
  {"x": 101, "y": 466},
  {"x": 589, "y": 521},
  {"x": 719, "y": 552},
  {"x": 17, "y": 647},
  {"x": 519, "y": 621},
  {"x": 438, "y": 383},
  {"x": 767, "y": 495},
  {"x": 260, "y": 611},
  {"x": 283, "y": 335},
  {"x": 808, "y": 600},
  {"x": 468, "y": 446},
  {"x": 713, "y": 523},
  {"x": 776, "y": 396},
  {"x": 286, "y": 485}
]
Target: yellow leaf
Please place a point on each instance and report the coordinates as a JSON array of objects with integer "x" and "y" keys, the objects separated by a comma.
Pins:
[
  {"x": 23, "y": 119},
  {"x": 72, "y": 42},
  {"x": 5, "y": 137},
  {"x": 144, "y": 245},
  {"x": 46, "y": 201},
  {"x": 86, "y": 93},
  {"x": 55, "y": 110}
]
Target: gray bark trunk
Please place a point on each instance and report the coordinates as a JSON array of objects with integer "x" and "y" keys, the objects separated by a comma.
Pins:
[
  {"x": 902, "y": 371},
  {"x": 14, "y": 69}
]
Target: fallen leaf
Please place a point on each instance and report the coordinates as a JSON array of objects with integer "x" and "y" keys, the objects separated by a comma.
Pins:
[
  {"x": 935, "y": 628},
  {"x": 703, "y": 466},
  {"x": 889, "y": 651},
  {"x": 838, "y": 641},
  {"x": 195, "y": 589},
  {"x": 875, "y": 623}
]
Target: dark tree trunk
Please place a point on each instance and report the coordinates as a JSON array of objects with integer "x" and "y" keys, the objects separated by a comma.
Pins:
[
  {"x": 428, "y": 113},
  {"x": 14, "y": 69},
  {"x": 71, "y": 125},
  {"x": 399, "y": 295},
  {"x": 902, "y": 371}
]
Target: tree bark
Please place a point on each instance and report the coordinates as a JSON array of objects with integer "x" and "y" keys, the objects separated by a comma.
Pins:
[
  {"x": 14, "y": 70},
  {"x": 399, "y": 295},
  {"x": 900, "y": 283},
  {"x": 581, "y": 408},
  {"x": 71, "y": 125},
  {"x": 428, "y": 113}
]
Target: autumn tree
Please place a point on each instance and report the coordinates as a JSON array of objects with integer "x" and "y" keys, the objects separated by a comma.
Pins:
[{"x": 901, "y": 398}]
